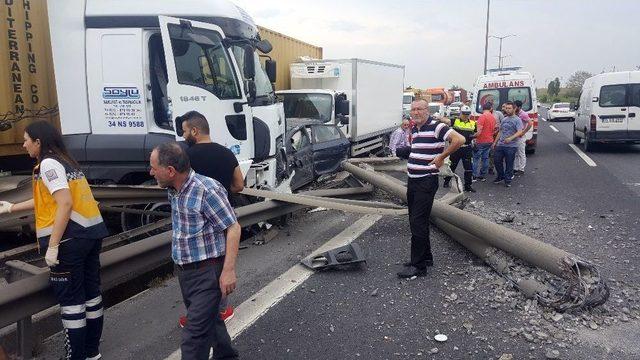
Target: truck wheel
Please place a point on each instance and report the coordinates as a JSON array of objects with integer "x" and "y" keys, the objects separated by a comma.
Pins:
[
  {"x": 576, "y": 138},
  {"x": 588, "y": 143}
]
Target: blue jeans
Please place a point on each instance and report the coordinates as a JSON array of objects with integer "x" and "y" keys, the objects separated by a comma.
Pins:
[
  {"x": 481, "y": 159},
  {"x": 507, "y": 155}
]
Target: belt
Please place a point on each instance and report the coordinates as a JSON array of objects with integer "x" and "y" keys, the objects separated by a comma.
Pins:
[{"x": 200, "y": 264}]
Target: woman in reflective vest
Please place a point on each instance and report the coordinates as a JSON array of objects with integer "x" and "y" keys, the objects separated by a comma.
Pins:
[{"x": 69, "y": 229}]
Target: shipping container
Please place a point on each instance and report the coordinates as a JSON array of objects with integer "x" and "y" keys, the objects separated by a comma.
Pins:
[
  {"x": 287, "y": 50},
  {"x": 27, "y": 80}
]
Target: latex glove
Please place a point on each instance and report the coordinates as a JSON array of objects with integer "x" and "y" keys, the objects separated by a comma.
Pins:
[
  {"x": 5, "y": 207},
  {"x": 51, "y": 257}
]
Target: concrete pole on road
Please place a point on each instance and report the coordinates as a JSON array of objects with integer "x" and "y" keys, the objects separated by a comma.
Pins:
[{"x": 486, "y": 39}]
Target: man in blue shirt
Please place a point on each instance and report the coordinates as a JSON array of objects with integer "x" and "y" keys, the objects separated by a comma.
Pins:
[
  {"x": 204, "y": 247},
  {"x": 506, "y": 145}
]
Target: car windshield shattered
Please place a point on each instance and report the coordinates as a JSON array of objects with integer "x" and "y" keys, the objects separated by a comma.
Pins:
[{"x": 310, "y": 106}]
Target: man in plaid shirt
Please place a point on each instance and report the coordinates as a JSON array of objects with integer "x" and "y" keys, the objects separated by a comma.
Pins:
[{"x": 206, "y": 235}]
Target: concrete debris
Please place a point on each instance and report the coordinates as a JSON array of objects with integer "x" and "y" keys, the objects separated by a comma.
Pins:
[
  {"x": 552, "y": 354},
  {"x": 506, "y": 357},
  {"x": 507, "y": 218}
]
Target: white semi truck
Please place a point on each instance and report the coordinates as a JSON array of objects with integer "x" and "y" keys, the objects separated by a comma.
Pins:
[
  {"x": 126, "y": 70},
  {"x": 363, "y": 97}
]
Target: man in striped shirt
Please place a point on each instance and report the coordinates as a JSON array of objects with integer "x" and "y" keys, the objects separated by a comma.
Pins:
[{"x": 425, "y": 156}]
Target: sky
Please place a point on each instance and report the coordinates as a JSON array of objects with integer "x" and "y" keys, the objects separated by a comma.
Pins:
[{"x": 441, "y": 43}]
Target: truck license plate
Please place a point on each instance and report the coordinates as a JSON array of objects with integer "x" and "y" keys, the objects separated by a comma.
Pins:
[{"x": 613, "y": 120}]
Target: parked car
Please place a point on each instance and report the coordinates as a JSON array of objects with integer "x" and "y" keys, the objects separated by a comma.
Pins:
[
  {"x": 560, "y": 111},
  {"x": 314, "y": 149},
  {"x": 608, "y": 109}
]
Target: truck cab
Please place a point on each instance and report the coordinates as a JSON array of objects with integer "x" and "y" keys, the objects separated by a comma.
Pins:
[{"x": 125, "y": 73}]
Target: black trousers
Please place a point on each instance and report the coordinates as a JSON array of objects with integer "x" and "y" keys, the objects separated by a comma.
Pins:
[
  {"x": 75, "y": 281},
  {"x": 420, "y": 194},
  {"x": 205, "y": 329},
  {"x": 465, "y": 154}
]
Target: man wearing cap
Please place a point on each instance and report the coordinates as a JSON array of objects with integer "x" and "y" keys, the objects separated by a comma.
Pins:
[{"x": 467, "y": 128}]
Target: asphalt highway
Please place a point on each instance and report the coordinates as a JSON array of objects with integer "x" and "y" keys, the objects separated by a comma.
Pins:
[{"x": 367, "y": 312}]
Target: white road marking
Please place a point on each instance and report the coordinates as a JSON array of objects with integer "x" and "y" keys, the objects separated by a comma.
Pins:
[
  {"x": 583, "y": 156},
  {"x": 259, "y": 303},
  {"x": 543, "y": 119},
  {"x": 554, "y": 128}
]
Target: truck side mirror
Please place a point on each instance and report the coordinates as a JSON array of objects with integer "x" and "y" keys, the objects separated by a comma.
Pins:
[
  {"x": 249, "y": 64},
  {"x": 270, "y": 68},
  {"x": 342, "y": 105},
  {"x": 264, "y": 46}
]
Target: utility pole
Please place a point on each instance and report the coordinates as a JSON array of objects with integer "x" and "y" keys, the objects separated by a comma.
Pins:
[
  {"x": 500, "y": 52},
  {"x": 500, "y": 62},
  {"x": 486, "y": 38}
]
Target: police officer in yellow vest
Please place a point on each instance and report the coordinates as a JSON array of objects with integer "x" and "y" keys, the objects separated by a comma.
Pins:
[
  {"x": 466, "y": 128},
  {"x": 69, "y": 229}
]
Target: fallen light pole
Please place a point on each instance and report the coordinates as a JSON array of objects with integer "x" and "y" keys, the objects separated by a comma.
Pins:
[{"x": 584, "y": 288}]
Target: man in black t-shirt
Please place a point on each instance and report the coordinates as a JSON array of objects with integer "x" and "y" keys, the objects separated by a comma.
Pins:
[
  {"x": 208, "y": 158},
  {"x": 215, "y": 161}
]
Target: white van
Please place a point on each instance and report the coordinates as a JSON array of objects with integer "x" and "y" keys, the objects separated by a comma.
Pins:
[
  {"x": 508, "y": 85},
  {"x": 608, "y": 109}
]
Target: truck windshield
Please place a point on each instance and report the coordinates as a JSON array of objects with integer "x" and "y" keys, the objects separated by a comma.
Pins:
[
  {"x": 310, "y": 106},
  {"x": 264, "y": 89},
  {"x": 407, "y": 99},
  {"x": 201, "y": 60}
]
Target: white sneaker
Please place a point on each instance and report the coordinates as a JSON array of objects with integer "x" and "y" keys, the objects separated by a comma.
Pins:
[{"x": 97, "y": 357}]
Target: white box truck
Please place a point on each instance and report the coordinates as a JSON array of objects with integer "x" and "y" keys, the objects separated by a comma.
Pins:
[{"x": 363, "y": 97}]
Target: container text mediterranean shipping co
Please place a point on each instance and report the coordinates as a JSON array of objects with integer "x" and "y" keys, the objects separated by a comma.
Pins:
[{"x": 123, "y": 74}]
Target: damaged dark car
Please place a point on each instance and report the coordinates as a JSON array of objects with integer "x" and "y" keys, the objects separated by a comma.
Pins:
[{"x": 314, "y": 149}]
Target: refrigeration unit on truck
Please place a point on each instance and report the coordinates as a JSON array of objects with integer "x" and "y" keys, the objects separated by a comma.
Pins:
[
  {"x": 125, "y": 72},
  {"x": 363, "y": 97}
]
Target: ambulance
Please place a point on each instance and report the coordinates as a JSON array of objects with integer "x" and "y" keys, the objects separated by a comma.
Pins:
[{"x": 508, "y": 85}]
